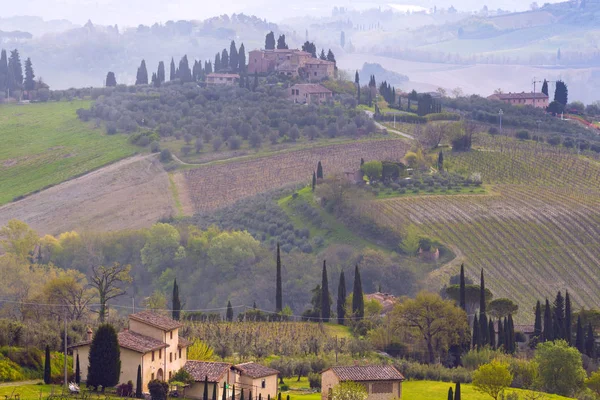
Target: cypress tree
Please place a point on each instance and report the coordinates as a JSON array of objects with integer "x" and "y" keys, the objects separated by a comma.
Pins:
[
  {"x": 270, "y": 41},
  {"x": 325, "y": 304},
  {"x": 580, "y": 338},
  {"x": 341, "y": 300},
  {"x": 281, "y": 44},
  {"x": 450, "y": 393},
  {"x": 561, "y": 94},
  {"x": 208, "y": 67},
  {"x": 185, "y": 73},
  {"x": 217, "y": 66},
  {"x": 250, "y": 394},
  {"x": 537, "y": 326},
  {"x": 358, "y": 304},
  {"x": 457, "y": 391},
  {"x": 176, "y": 302},
  {"x": 511, "y": 337},
  {"x": 15, "y": 70},
  {"x": 545, "y": 87},
  {"x": 29, "y": 83},
  {"x": 568, "y": 319},
  {"x": 482, "y": 294},
  {"x": 224, "y": 60},
  {"x": 104, "y": 358},
  {"x": 319, "y": 170},
  {"x": 590, "y": 342},
  {"x": 111, "y": 79},
  {"x": 242, "y": 59},
  {"x": 224, "y": 397},
  {"x": 506, "y": 336},
  {"x": 559, "y": 317},
  {"x": 47, "y": 370},
  {"x": 548, "y": 334},
  {"x": 77, "y": 370},
  {"x": 483, "y": 329},
  {"x": 142, "y": 74},
  {"x": 3, "y": 72},
  {"x": 278, "y": 289},
  {"x": 214, "y": 394},
  {"x": 476, "y": 339},
  {"x": 492, "y": 334},
  {"x": 172, "y": 74},
  {"x": 205, "y": 393},
  {"x": 233, "y": 57},
  {"x": 357, "y": 82},
  {"x": 229, "y": 313},
  {"x": 440, "y": 161},
  {"x": 138, "y": 384},
  {"x": 314, "y": 181},
  {"x": 500, "y": 334},
  {"x": 463, "y": 303},
  {"x": 160, "y": 74}
]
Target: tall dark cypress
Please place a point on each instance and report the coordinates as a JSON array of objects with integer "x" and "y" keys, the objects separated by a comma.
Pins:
[
  {"x": 214, "y": 394},
  {"x": 506, "y": 336},
  {"x": 224, "y": 397},
  {"x": 457, "y": 391},
  {"x": 590, "y": 342},
  {"x": 233, "y": 57},
  {"x": 242, "y": 59},
  {"x": 475, "y": 337},
  {"x": 450, "y": 393},
  {"x": 568, "y": 319},
  {"x": 482, "y": 294},
  {"x": 172, "y": 74},
  {"x": 559, "y": 317},
  {"x": 491, "y": 334},
  {"x": 3, "y": 73},
  {"x": 142, "y": 74},
  {"x": 483, "y": 329},
  {"x": 545, "y": 87},
  {"x": 77, "y": 370},
  {"x": 463, "y": 302},
  {"x": 15, "y": 70},
  {"x": 224, "y": 60},
  {"x": 341, "y": 299},
  {"x": 548, "y": 334},
  {"x": 501, "y": 344},
  {"x": 229, "y": 313},
  {"x": 358, "y": 304},
  {"x": 176, "y": 302},
  {"x": 357, "y": 83},
  {"x": 255, "y": 83},
  {"x": 104, "y": 358},
  {"x": 511, "y": 334},
  {"x": 319, "y": 170},
  {"x": 160, "y": 74},
  {"x": 314, "y": 181},
  {"x": 29, "y": 83},
  {"x": 278, "y": 289},
  {"x": 325, "y": 303},
  {"x": 47, "y": 370},
  {"x": 205, "y": 392},
  {"x": 138, "y": 384},
  {"x": 217, "y": 66},
  {"x": 537, "y": 326},
  {"x": 580, "y": 338}
]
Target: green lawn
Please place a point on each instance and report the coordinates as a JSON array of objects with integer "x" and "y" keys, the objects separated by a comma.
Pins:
[
  {"x": 341, "y": 331},
  {"x": 44, "y": 144}
]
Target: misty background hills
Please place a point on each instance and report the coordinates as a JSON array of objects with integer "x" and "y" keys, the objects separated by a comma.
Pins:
[{"x": 447, "y": 44}]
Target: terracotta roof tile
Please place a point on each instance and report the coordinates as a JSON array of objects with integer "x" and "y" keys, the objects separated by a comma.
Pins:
[
  {"x": 363, "y": 373},
  {"x": 156, "y": 320},
  {"x": 201, "y": 369},
  {"x": 132, "y": 341},
  {"x": 255, "y": 370},
  {"x": 510, "y": 96}
]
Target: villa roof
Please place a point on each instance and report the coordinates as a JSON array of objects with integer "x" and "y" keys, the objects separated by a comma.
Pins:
[
  {"x": 255, "y": 370},
  {"x": 199, "y": 370},
  {"x": 132, "y": 341},
  {"x": 312, "y": 88},
  {"x": 367, "y": 373},
  {"x": 156, "y": 320},
  {"x": 523, "y": 95}
]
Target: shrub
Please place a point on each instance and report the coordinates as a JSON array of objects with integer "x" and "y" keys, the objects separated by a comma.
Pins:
[
  {"x": 111, "y": 128},
  {"x": 522, "y": 135},
  {"x": 186, "y": 150},
  {"x": 314, "y": 380},
  {"x": 217, "y": 143},
  {"x": 165, "y": 155},
  {"x": 493, "y": 130},
  {"x": 125, "y": 389},
  {"x": 235, "y": 142},
  {"x": 155, "y": 147},
  {"x": 158, "y": 389}
]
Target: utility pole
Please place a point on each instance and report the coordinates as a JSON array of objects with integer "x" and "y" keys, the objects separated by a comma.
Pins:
[{"x": 534, "y": 84}]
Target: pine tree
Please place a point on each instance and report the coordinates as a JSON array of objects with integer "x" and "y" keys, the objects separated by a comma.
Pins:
[
  {"x": 314, "y": 181},
  {"x": 229, "y": 312},
  {"x": 138, "y": 384},
  {"x": 537, "y": 326},
  {"x": 568, "y": 319},
  {"x": 142, "y": 74},
  {"x": 358, "y": 303},
  {"x": 233, "y": 57},
  {"x": 475, "y": 337},
  {"x": 281, "y": 44},
  {"x": 278, "y": 289},
  {"x": 111, "y": 80},
  {"x": 29, "y": 83},
  {"x": 325, "y": 303},
  {"x": 491, "y": 334},
  {"x": 104, "y": 358},
  {"x": 341, "y": 299},
  {"x": 77, "y": 370},
  {"x": 242, "y": 59},
  {"x": 160, "y": 73},
  {"x": 545, "y": 87},
  {"x": 457, "y": 391},
  {"x": 319, "y": 170},
  {"x": 205, "y": 392},
  {"x": 270, "y": 41},
  {"x": 580, "y": 338},
  {"x": 172, "y": 74},
  {"x": 176, "y": 302},
  {"x": 559, "y": 317},
  {"x": 450, "y": 393},
  {"x": 47, "y": 370},
  {"x": 590, "y": 342},
  {"x": 224, "y": 60},
  {"x": 548, "y": 333},
  {"x": 462, "y": 302}
]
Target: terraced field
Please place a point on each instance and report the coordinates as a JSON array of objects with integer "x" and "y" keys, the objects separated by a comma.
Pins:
[
  {"x": 535, "y": 233},
  {"x": 213, "y": 186}
]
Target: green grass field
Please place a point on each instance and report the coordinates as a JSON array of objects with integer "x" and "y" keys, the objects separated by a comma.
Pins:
[{"x": 45, "y": 144}]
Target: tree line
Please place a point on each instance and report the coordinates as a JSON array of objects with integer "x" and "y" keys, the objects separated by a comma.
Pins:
[{"x": 12, "y": 79}]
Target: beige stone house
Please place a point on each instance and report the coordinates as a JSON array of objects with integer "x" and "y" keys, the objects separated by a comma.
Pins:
[
  {"x": 383, "y": 382},
  {"x": 309, "y": 93},
  {"x": 316, "y": 69},
  {"x": 289, "y": 62},
  {"x": 222, "y": 79},
  {"x": 539, "y": 100},
  {"x": 258, "y": 378},
  {"x": 151, "y": 341},
  {"x": 217, "y": 373}
]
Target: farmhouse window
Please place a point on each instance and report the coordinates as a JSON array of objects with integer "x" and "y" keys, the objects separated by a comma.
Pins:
[
  {"x": 179, "y": 353},
  {"x": 152, "y": 358},
  {"x": 170, "y": 357},
  {"x": 171, "y": 335},
  {"x": 152, "y": 376},
  {"x": 382, "y": 387},
  {"x": 263, "y": 384},
  {"x": 160, "y": 354}
]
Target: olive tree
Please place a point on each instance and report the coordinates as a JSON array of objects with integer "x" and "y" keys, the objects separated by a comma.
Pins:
[{"x": 492, "y": 379}]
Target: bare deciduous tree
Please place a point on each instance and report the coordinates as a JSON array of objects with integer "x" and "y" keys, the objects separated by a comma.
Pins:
[{"x": 108, "y": 281}]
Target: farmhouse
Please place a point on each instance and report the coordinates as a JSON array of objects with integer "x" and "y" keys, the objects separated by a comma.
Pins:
[
  {"x": 216, "y": 373},
  {"x": 222, "y": 79},
  {"x": 539, "y": 100},
  {"x": 152, "y": 342},
  {"x": 289, "y": 62},
  {"x": 383, "y": 382},
  {"x": 308, "y": 93},
  {"x": 260, "y": 379}
]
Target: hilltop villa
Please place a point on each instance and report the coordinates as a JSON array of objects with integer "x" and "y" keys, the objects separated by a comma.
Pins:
[
  {"x": 539, "y": 100},
  {"x": 289, "y": 62},
  {"x": 383, "y": 382}
]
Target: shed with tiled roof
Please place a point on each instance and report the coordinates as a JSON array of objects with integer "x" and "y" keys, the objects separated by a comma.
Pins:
[
  {"x": 382, "y": 382},
  {"x": 260, "y": 379},
  {"x": 216, "y": 373}
]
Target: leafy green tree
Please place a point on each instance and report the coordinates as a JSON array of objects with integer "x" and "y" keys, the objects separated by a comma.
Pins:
[
  {"x": 229, "y": 313},
  {"x": 341, "y": 299},
  {"x": 111, "y": 80},
  {"x": 373, "y": 169},
  {"x": 200, "y": 351},
  {"x": 139, "y": 389},
  {"x": 162, "y": 248},
  {"x": 281, "y": 44},
  {"x": 561, "y": 94},
  {"x": 270, "y": 41},
  {"x": 29, "y": 83},
  {"x": 560, "y": 368},
  {"x": 176, "y": 302},
  {"x": 593, "y": 383},
  {"x": 349, "y": 391},
  {"x": 104, "y": 358},
  {"x": 358, "y": 302},
  {"x": 325, "y": 301},
  {"x": 77, "y": 370},
  {"x": 142, "y": 74},
  {"x": 47, "y": 367},
  {"x": 109, "y": 282},
  {"x": 278, "y": 289},
  {"x": 411, "y": 240},
  {"x": 158, "y": 389},
  {"x": 172, "y": 72},
  {"x": 492, "y": 379}
]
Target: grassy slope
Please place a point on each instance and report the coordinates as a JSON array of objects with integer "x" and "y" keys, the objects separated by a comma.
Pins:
[{"x": 45, "y": 144}]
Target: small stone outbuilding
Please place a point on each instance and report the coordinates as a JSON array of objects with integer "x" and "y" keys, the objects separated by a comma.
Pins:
[
  {"x": 258, "y": 378},
  {"x": 217, "y": 374},
  {"x": 382, "y": 382}
]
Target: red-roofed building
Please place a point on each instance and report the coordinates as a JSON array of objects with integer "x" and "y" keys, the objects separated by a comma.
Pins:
[
  {"x": 383, "y": 382},
  {"x": 539, "y": 100},
  {"x": 308, "y": 93}
]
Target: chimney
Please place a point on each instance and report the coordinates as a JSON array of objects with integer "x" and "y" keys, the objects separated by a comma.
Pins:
[{"x": 90, "y": 334}]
